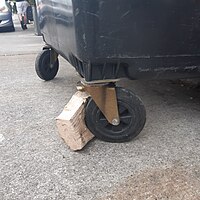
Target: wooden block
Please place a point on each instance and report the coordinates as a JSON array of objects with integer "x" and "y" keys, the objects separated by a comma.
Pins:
[{"x": 71, "y": 123}]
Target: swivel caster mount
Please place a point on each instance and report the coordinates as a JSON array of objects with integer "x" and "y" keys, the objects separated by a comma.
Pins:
[{"x": 113, "y": 114}]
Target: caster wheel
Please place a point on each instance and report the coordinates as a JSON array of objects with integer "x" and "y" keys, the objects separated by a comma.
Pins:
[
  {"x": 132, "y": 118},
  {"x": 42, "y": 66}
]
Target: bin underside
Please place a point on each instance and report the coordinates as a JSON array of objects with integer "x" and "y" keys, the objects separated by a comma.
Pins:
[{"x": 144, "y": 67}]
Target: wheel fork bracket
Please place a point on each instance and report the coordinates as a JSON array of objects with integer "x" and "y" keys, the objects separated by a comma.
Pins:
[
  {"x": 105, "y": 98},
  {"x": 53, "y": 57}
]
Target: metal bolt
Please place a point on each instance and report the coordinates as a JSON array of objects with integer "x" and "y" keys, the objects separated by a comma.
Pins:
[
  {"x": 80, "y": 88},
  {"x": 115, "y": 122}
]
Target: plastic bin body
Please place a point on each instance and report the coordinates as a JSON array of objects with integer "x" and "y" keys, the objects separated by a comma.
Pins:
[{"x": 110, "y": 39}]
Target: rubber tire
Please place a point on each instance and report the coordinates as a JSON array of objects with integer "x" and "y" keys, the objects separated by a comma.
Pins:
[
  {"x": 42, "y": 66},
  {"x": 103, "y": 130},
  {"x": 12, "y": 29},
  {"x": 7, "y": 29}
]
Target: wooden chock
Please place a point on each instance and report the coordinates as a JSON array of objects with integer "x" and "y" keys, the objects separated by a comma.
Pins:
[{"x": 71, "y": 122}]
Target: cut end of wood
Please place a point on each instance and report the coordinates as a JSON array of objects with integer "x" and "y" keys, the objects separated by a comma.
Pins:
[{"x": 71, "y": 123}]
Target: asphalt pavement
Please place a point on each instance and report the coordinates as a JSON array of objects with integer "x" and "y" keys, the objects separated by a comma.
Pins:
[{"x": 162, "y": 163}]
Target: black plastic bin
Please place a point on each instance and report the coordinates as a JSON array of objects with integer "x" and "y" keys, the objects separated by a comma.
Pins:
[{"x": 109, "y": 39}]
